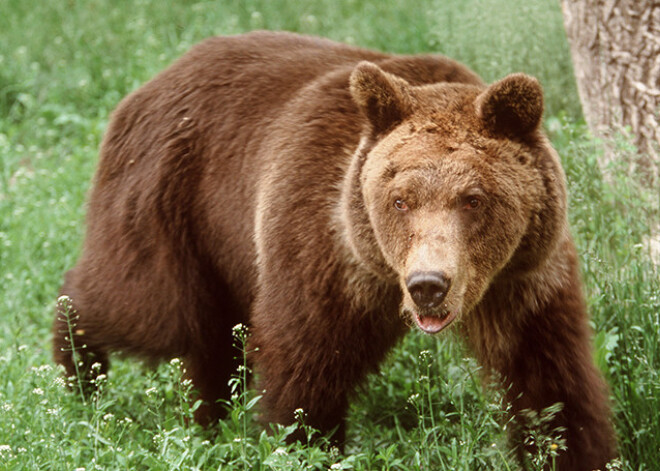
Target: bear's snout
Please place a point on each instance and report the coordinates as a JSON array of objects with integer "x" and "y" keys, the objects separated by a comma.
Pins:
[{"x": 428, "y": 289}]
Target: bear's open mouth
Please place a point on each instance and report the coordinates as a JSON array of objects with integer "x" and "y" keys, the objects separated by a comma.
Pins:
[{"x": 432, "y": 324}]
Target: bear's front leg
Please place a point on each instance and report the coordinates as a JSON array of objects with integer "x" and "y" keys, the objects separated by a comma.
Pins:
[
  {"x": 312, "y": 357},
  {"x": 552, "y": 363}
]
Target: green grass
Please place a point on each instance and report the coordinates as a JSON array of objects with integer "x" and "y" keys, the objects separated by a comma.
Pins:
[{"x": 65, "y": 65}]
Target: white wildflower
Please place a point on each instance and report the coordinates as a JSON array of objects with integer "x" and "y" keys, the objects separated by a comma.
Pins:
[{"x": 240, "y": 332}]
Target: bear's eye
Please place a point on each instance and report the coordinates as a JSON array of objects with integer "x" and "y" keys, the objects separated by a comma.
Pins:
[
  {"x": 401, "y": 205},
  {"x": 471, "y": 203}
]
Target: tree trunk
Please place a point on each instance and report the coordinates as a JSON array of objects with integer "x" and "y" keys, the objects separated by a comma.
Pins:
[{"x": 615, "y": 45}]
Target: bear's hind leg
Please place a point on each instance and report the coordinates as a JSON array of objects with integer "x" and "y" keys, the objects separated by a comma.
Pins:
[
  {"x": 210, "y": 370},
  {"x": 213, "y": 357}
]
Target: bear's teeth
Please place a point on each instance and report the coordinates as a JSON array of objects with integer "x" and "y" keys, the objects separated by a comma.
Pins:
[{"x": 434, "y": 324}]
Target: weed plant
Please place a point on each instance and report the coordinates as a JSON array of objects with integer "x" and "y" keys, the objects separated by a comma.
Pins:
[{"x": 65, "y": 65}]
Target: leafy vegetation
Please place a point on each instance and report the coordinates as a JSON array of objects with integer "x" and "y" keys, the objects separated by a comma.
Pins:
[{"x": 65, "y": 65}]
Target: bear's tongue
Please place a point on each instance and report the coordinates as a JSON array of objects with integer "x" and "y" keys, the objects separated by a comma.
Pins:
[{"x": 433, "y": 324}]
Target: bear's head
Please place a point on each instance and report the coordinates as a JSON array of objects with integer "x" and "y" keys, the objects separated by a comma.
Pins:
[{"x": 452, "y": 189}]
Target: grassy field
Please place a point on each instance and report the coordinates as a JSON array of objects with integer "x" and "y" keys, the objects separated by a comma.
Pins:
[{"x": 65, "y": 65}]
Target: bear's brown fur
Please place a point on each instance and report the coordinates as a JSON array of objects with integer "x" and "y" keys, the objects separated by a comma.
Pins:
[{"x": 330, "y": 197}]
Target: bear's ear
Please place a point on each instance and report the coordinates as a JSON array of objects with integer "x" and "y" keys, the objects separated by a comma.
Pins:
[
  {"x": 383, "y": 98},
  {"x": 513, "y": 106}
]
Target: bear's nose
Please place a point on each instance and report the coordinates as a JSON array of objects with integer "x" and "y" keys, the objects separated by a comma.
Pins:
[{"x": 429, "y": 288}]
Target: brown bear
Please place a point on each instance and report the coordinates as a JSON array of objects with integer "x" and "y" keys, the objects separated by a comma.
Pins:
[{"x": 331, "y": 197}]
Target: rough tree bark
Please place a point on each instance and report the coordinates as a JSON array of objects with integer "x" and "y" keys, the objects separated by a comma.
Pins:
[{"x": 615, "y": 45}]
